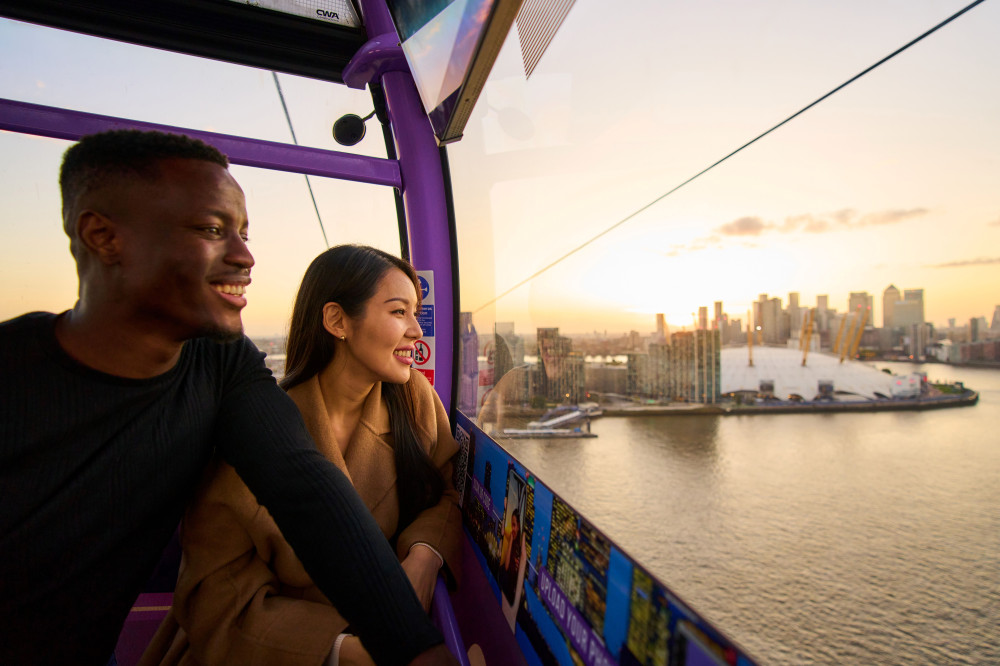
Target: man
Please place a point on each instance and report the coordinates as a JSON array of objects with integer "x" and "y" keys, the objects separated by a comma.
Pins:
[{"x": 111, "y": 411}]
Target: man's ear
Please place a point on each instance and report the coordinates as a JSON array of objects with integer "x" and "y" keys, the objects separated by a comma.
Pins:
[
  {"x": 99, "y": 235},
  {"x": 334, "y": 320}
]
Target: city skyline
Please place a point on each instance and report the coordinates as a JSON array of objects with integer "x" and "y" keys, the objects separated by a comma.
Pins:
[{"x": 891, "y": 181}]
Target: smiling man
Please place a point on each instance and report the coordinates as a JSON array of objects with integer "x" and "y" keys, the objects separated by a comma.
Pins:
[{"x": 113, "y": 409}]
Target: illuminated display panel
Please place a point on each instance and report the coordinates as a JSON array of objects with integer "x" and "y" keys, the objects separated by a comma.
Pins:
[{"x": 450, "y": 46}]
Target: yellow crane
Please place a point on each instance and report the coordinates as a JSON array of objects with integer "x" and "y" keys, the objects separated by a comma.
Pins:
[
  {"x": 857, "y": 337},
  {"x": 807, "y": 335},
  {"x": 840, "y": 334},
  {"x": 845, "y": 341}
]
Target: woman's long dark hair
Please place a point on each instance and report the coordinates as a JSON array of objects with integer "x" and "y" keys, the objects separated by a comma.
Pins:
[{"x": 349, "y": 276}]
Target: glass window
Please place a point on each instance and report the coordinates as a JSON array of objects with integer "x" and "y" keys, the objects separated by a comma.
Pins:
[
  {"x": 575, "y": 209},
  {"x": 53, "y": 67}
]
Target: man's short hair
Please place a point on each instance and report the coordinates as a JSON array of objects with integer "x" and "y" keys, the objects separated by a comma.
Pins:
[{"x": 99, "y": 159}]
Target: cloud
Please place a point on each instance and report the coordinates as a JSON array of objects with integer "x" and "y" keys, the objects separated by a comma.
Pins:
[
  {"x": 745, "y": 226},
  {"x": 808, "y": 223},
  {"x": 981, "y": 261},
  {"x": 844, "y": 215},
  {"x": 994, "y": 223},
  {"x": 890, "y": 217},
  {"x": 845, "y": 219}
]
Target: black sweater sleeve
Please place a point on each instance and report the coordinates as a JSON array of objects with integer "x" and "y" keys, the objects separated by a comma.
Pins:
[{"x": 261, "y": 434}]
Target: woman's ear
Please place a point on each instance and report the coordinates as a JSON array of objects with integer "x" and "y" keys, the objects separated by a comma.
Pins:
[{"x": 334, "y": 320}]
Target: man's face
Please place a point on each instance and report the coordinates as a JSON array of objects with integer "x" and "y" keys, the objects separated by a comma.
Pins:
[{"x": 184, "y": 260}]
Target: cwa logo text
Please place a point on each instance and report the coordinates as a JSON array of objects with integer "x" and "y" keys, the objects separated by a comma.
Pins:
[{"x": 326, "y": 14}]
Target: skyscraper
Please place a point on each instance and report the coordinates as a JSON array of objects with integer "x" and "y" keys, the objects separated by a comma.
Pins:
[
  {"x": 561, "y": 375},
  {"x": 770, "y": 321},
  {"x": 915, "y": 296},
  {"x": 468, "y": 383},
  {"x": 822, "y": 313},
  {"x": 661, "y": 327},
  {"x": 860, "y": 303},
  {"x": 889, "y": 298},
  {"x": 794, "y": 314},
  {"x": 694, "y": 369},
  {"x": 702, "y": 318}
]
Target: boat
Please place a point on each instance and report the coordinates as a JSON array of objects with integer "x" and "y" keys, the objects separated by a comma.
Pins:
[
  {"x": 544, "y": 433},
  {"x": 565, "y": 415}
]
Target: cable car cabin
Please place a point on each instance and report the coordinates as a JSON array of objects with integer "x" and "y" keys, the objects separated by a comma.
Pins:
[{"x": 265, "y": 82}]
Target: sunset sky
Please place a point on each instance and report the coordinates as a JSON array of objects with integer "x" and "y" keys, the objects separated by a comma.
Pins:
[{"x": 891, "y": 181}]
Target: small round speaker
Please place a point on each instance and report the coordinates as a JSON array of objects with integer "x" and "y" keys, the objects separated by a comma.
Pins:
[{"x": 349, "y": 129}]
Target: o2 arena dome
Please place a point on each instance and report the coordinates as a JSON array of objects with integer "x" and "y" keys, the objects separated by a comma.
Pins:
[{"x": 851, "y": 380}]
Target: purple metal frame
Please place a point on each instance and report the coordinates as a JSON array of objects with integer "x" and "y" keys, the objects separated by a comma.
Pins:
[
  {"x": 423, "y": 191},
  {"x": 65, "y": 124}
]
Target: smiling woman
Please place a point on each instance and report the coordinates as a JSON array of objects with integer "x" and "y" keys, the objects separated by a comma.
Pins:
[{"x": 349, "y": 357}]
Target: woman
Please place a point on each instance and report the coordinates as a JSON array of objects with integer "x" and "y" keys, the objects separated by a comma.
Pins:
[{"x": 242, "y": 596}]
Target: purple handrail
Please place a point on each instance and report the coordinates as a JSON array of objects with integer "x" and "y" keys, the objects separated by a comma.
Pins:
[
  {"x": 444, "y": 618},
  {"x": 50, "y": 121}
]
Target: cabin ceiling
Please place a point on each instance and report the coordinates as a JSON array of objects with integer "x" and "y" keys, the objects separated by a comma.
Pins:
[{"x": 217, "y": 29}]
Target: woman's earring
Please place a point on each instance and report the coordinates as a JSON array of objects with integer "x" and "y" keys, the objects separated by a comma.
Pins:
[{"x": 343, "y": 338}]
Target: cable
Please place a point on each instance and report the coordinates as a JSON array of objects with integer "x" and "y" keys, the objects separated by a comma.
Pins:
[
  {"x": 718, "y": 162},
  {"x": 291, "y": 129}
]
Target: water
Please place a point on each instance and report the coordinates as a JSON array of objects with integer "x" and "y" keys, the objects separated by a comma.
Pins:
[{"x": 809, "y": 539}]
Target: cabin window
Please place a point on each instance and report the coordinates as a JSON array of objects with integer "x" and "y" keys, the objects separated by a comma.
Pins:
[{"x": 62, "y": 69}]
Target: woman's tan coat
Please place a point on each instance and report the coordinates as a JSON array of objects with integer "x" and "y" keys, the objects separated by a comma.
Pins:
[{"x": 242, "y": 595}]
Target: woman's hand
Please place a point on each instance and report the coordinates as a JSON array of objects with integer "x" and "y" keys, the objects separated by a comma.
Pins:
[{"x": 421, "y": 566}]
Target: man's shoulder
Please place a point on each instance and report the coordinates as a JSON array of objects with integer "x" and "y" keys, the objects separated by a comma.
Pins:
[
  {"x": 240, "y": 345},
  {"x": 225, "y": 356},
  {"x": 29, "y": 331},
  {"x": 29, "y": 322}
]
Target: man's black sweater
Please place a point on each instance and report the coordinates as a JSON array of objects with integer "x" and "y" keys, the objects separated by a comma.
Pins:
[{"x": 95, "y": 472}]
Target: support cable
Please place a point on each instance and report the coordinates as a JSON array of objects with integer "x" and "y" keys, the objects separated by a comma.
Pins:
[
  {"x": 720, "y": 161},
  {"x": 291, "y": 129}
]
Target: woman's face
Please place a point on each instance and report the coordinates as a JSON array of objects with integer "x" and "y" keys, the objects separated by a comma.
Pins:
[{"x": 380, "y": 342}]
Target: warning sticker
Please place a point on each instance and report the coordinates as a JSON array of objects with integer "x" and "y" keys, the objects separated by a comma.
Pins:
[
  {"x": 422, "y": 354},
  {"x": 426, "y": 320}
]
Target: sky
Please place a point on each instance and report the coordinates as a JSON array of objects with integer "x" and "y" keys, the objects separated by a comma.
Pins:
[{"x": 890, "y": 181}]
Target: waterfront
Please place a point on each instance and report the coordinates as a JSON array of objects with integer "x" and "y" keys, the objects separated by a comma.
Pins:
[{"x": 812, "y": 538}]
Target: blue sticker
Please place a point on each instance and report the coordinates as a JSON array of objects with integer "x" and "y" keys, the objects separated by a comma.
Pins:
[
  {"x": 426, "y": 319},
  {"x": 425, "y": 288}
]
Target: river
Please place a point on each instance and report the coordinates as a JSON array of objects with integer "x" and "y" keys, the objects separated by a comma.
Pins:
[{"x": 809, "y": 539}]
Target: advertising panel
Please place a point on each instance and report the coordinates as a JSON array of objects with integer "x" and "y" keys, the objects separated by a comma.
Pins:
[{"x": 569, "y": 594}]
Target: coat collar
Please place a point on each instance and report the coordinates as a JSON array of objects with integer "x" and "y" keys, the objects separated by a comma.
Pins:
[{"x": 368, "y": 459}]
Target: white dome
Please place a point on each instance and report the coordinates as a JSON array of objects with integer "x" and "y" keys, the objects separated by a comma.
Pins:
[{"x": 784, "y": 367}]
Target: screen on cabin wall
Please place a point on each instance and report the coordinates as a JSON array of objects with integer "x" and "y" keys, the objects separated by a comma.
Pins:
[{"x": 440, "y": 39}]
